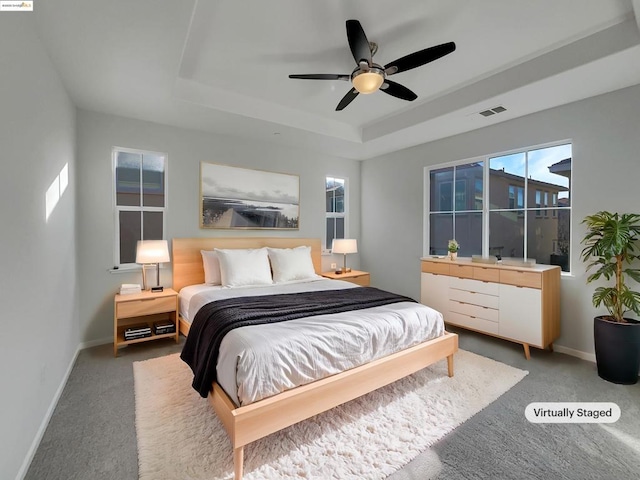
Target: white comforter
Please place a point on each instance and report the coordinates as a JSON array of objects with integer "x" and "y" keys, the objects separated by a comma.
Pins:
[{"x": 259, "y": 361}]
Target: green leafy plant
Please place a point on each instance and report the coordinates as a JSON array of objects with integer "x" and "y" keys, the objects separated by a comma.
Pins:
[
  {"x": 453, "y": 246},
  {"x": 611, "y": 245}
]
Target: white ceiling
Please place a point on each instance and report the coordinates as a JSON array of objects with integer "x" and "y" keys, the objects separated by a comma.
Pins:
[{"x": 223, "y": 66}]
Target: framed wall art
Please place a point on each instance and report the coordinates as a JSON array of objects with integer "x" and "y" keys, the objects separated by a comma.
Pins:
[{"x": 242, "y": 198}]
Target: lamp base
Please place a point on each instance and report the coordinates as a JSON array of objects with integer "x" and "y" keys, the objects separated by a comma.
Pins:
[{"x": 345, "y": 270}]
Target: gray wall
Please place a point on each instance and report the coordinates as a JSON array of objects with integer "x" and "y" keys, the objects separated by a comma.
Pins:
[
  {"x": 98, "y": 133},
  {"x": 39, "y": 335},
  {"x": 606, "y": 168}
]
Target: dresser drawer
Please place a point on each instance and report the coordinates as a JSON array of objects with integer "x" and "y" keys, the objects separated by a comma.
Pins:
[
  {"x": 475, "y": 286},
  {"x": 478, "y": 324},
  {"x": 149, "y": 306},
  {"x": 486, "y": 274},
  {"x": 475, "y": 298},
  {"x": 474, "y": 311},
  {"x": 461, "y": 271},
  {"x": 521, "y": 278},
  {"x": 438, "y": 268}
]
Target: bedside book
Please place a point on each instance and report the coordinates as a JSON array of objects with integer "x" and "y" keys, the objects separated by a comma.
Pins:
[{"x": 130, "y": 288}]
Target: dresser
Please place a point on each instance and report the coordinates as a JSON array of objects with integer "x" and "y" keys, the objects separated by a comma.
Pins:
[{"x": 521, "y": 304}]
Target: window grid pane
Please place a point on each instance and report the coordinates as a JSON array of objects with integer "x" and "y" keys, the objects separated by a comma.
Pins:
[
  {"x": 128, "y": 179},
  {"x": 153, "y": 180},
  {"x": 130, "y": 232}
]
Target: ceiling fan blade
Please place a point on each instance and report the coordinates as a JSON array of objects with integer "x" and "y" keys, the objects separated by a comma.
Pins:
[
  {"x": 322, "y": 76},
  {"x": 417, "y": 59},
  {"x": 347, "y": 99},
  {"x": 396, "y": 90},
  {"x": 358, "y": 42}
]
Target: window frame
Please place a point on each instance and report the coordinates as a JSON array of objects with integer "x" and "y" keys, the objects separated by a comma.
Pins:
[
  {"x": 130, "y": 208},
  {"x": 334, "y": 215},
  {"x": 486, "y": 210}
]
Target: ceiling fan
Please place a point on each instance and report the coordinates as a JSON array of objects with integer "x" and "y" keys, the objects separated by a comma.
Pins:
[{"x": 368, "y": 76}]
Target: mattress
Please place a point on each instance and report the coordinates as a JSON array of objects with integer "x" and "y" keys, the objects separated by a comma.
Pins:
[{"x": 259, "y": 361}]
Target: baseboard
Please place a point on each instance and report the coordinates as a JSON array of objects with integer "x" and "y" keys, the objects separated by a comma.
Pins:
[
  {"x": 95, "y": 343},
  {"x": 590, "y": 357},
  {"x": 47, "y": 418}
]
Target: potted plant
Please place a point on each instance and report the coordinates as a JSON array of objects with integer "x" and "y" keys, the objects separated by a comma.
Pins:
[
  {"x": 611, "y": 245},
  {"x": 453, "y": 246}
]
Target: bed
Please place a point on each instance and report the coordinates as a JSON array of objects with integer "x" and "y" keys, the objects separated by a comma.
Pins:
[{"x": 251, "y": 418}]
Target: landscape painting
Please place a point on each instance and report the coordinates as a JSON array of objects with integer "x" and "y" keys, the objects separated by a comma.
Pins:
[{"x": 232, "y": 197}]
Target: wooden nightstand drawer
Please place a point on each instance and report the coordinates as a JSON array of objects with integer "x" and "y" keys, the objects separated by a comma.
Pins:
[
  {"x": 362, "y": 280},
  {"x": 135, "y": 308},
  {"x": 354, "y": 276}
]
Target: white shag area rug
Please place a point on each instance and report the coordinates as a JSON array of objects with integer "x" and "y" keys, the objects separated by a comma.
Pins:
[{"x": 180, "y": 437}]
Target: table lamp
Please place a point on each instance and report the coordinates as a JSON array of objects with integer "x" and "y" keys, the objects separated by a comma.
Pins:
[
  {"x": 150, "y": 253},
  {"x": 345, "y": 246}
]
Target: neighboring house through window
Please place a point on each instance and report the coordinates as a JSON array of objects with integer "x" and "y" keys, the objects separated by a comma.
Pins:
[
  {"x": 140, "y": 196},
  {"x": 521, "y": 205},
  {"x": 336, "y": 210}
]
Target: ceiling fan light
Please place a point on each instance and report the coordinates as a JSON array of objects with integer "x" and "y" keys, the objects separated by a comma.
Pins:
[{"x": 367, "y": 82}]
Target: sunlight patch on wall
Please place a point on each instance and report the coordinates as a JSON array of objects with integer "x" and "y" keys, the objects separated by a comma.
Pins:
[{"x": 55, "y": 190}]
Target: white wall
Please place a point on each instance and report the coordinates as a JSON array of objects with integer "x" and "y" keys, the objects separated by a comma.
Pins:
[
  {"x": 39, "y": 329},
  {"x": 606, "y": 168},
  {"x": 99, "y": 133}
]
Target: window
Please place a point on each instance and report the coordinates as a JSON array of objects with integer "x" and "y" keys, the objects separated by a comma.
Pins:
[
  {"x": 336, "y": 210},
  {"x": 521, "y": 205},
  {"x": 140, "y": 195},
  {"x": 464, "y": 216}
]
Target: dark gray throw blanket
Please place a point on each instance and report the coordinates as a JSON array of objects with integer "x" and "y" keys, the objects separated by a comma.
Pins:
[{"x": 216, "y": 319}]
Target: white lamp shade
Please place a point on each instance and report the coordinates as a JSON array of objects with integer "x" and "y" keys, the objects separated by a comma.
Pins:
[
  {"x": 345, "y": 245},
  {"x": 152, "y": 251}
]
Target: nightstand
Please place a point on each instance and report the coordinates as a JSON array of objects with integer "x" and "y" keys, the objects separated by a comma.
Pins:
[
  {"x": 354, "y": 276},
  {"x": 144, "y": 308}
]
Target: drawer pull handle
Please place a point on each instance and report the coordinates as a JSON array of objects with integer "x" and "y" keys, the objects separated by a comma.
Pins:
[{"x": 471, "y": 316}]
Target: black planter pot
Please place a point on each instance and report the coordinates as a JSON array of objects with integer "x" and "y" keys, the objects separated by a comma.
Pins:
[{"x": 617, "y": 350}]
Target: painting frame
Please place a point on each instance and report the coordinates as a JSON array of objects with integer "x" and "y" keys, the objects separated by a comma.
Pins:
[{"x": 238, "y": 198}]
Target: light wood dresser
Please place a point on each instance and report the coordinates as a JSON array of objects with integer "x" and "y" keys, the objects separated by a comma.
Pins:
[{"x": 515, "y": 303}]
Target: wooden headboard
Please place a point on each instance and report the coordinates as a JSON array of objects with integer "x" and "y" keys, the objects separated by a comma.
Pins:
[{"x": 187, "y": 259}]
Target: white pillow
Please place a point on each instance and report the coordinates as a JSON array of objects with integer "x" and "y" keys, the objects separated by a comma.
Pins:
[
  {"x": 211, "y": 265},
  {"x": 242, "y": 267},
  {"x": 291, "y": 264}
]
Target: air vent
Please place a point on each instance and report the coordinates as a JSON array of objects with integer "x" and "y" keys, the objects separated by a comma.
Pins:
[{"x": 493, "y": 111}]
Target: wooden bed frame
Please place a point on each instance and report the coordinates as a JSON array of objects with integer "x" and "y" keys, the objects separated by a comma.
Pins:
[{"x": 251, "y": 422}]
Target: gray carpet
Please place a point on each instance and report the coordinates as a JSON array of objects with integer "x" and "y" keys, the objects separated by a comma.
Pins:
[{"x": 92, "y": 433}]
